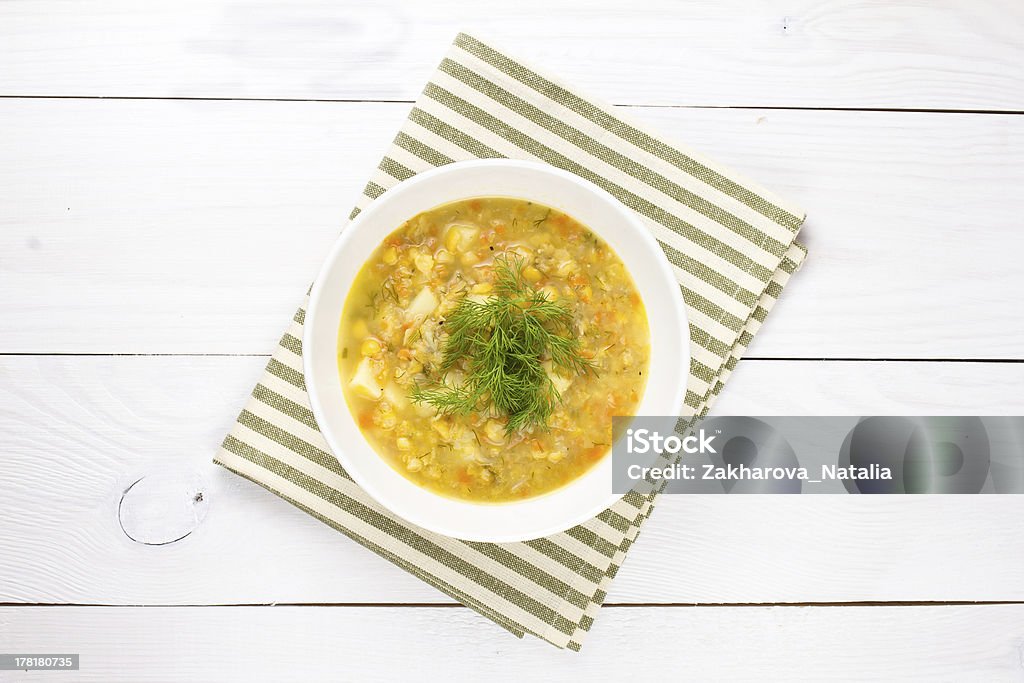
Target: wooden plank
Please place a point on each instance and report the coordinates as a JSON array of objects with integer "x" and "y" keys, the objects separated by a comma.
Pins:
[
  {"x": 775, "y": 53},
  {"x": 388, "y": 644},
  {"x": 195, "y": 227},
  {"x": 78, "y": 431},
  {"x": 872, "y": 388}
]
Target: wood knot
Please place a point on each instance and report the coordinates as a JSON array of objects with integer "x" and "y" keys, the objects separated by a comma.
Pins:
[{"x": 162, "y": 508}]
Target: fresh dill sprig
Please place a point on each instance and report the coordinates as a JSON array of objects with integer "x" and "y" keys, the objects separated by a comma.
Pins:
[
  {"x": 537, "y": 223},
  {"x": 502, "y": 344}
]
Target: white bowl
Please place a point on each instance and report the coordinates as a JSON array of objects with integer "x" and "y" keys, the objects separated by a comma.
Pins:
[{"x": 621, "y": 229}]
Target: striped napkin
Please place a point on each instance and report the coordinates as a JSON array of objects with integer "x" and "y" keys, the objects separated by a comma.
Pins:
[{"x": 732, "y": 247}]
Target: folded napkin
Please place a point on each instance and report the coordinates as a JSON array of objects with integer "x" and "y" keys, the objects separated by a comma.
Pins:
[{"x": 732, "y": 247}]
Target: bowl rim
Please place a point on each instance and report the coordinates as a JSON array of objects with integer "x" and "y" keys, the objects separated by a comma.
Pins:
[{"x": 310, "y": 342}]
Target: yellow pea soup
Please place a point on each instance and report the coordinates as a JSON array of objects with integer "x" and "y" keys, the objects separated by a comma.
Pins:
[{"x": 490, "y": 409}]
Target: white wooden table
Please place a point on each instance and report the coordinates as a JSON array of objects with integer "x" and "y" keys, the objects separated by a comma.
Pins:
[{"x": 172, "y": 172}]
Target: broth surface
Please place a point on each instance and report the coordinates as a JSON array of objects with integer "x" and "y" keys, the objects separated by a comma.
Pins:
[{"x": 392, "y": 337}]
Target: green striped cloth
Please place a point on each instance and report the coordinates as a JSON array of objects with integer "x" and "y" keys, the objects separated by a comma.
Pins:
[{"x": 732, "y": 246}]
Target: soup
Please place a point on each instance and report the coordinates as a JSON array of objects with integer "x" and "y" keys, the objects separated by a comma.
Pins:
[{"x": 486, "y": 345}]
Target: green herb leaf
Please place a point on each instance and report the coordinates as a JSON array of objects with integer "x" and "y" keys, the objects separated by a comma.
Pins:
[{"x": 501, "y": 344}]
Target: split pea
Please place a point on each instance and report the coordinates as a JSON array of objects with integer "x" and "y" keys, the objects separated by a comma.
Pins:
[{"x": 370, "y": 347}]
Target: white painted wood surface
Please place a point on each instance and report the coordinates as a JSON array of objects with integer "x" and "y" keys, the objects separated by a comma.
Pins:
[
  {"x": 195, "y": 227},
  {"x": 837, "y": 53},
  {"x": 175, "y": 226},
  {"x": 75, "y": 445},
  {"x": 388, "y": 644}
]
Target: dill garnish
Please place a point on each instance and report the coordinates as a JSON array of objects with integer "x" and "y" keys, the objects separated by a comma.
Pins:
[
  {"x": 387, "y": 291},
  {"x": 502, "y": 344},
  {"x": 537, "y": 223}
]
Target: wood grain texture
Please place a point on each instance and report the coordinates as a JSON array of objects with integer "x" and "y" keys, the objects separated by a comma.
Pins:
[
  {"x": 861, "y": 53},
  {"x": 387, "y": 644},
  {"x": 186, "y": 226},
  {"x": 78, "y": 431},
  {"x": 195, "y": 227}
]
